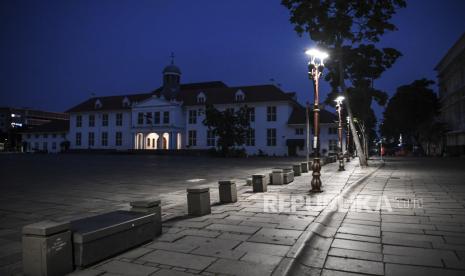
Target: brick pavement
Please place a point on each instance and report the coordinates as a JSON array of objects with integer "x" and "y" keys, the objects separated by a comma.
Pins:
[
  {"x": 418, "y": 229},
  {"x": 242, "y": 238}
]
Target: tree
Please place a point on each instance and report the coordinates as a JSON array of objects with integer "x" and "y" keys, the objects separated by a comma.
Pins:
[
  {"x": 348, "y": 30},
  {"x": 412, "y": 112},
  {"x": 231, "y": 127}
]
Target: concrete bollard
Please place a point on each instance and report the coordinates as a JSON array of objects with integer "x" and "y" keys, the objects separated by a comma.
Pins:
[
  {"x": 297, "y": 169},
  {"x": 228, "y": 191},
  {"x": 198, "y": 201},
  {"x": 288, "y": 175},
  {"x": 277, "y": 177},
  {"x": 304, "y": 167},
  {"x": 149, "y": 206},
  {"x": 47, "y": 248},
  {"x": 260, "y": 183}
]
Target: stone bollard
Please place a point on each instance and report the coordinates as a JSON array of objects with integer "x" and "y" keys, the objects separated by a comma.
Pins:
[
  {"x": 297, "y": 169},
  {"x": 260, "y": 183},
  {"x": 288, "y": 175},
  {"x": 47, "y": 248},
  {"x": 149, "y": 206},
  {"x": 198, "y": 201},
  {"x": 277, "y": 178},
  {"x": 304, "y": 167},
  {"x": 228, "y": 191}
]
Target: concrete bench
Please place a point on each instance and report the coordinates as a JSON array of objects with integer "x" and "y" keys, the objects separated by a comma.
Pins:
[
  {"x": 149, "y": 206},
  {"x": 288, "y": 175},
  {"x": 47, "y": 248},
  {"x": 99, "y": 237},
  {"x": 277, "y": 177},
  {"x": 228, "y": 191},
  {"x": 260, "y": 183},
  {"x": 198, "y": 201},
  {"x": 297, "y": 169}
]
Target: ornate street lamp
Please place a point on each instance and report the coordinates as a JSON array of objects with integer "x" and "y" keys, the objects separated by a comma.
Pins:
[
  {"x": 340, "y": 156},
  {"x": 348, "y": 139},
  {"x": 315, "y": 69}
]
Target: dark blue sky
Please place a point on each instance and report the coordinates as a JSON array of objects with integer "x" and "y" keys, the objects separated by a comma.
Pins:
[{"x": 54, "y": 54}]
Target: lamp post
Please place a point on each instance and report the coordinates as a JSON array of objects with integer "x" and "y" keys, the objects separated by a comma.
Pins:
[
  {"x": 348, "y": 139},
  {"x": 340, "y": 156},
  {"x": 315, "y": 69}
]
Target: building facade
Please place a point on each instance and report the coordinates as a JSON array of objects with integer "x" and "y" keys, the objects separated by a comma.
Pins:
[
  {"x": 15, "y": 120},
  {"x": 51, "y": 137},
  {"x": 171, "y": 118},
  {"x": 451, "y": 79}
]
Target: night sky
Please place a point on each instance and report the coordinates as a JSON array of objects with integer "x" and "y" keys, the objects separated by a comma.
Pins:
[{"x": 55, "y": 54}]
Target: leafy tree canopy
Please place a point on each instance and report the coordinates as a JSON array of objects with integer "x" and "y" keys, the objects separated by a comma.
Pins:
[
  {"x": 411, "y": 110},
  {"x": 230, "y": 126}
]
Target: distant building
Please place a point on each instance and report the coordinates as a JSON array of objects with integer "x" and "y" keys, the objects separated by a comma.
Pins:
[
  {"x": 171, "y": 118},
  {"x": 451, "y": 76},
  {"x": 50, "y": 137},
  {"x": 15, "y": 120}
]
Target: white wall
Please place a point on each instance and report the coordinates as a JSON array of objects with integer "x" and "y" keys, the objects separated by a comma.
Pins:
[
  {"x": 260, "y": 125},
  {"x": 48, "y": 141},
  {"x": 111, "y": 129}
]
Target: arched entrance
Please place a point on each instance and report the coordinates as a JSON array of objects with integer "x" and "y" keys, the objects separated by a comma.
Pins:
[
  {"x": 165, "y": 141},
  {"x": 151, "y": 141}
]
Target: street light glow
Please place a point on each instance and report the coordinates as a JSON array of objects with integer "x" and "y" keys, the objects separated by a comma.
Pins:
[
  {"x": 339, "y": 99},
  {"x": 316, "y": 54}
]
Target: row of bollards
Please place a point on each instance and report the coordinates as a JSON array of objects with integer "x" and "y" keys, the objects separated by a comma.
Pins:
[{"x": 198, "y": 198}]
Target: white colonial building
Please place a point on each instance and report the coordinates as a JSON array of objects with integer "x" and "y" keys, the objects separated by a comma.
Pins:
[{"x": 170, "y": 118}]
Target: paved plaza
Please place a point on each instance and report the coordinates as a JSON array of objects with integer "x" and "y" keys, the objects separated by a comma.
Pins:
[
  {"x": 403, "y": 217},
  {"x": 35, "y": 187}
]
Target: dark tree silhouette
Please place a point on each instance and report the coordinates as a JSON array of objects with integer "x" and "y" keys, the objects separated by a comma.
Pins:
[
  {"x": 412, "y": 112},
  {"x": 231, "y": 127}
]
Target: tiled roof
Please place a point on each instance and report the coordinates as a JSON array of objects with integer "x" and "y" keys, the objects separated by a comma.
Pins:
[
  {"x": 116, "y": 102},
  {"x": 216, "y": 92},
  {"x": 298, "y": 116},
  {"x": 52, "y": 126},
  {"x": 108, "y": 102},
  {"x": 225, "y": 95}
]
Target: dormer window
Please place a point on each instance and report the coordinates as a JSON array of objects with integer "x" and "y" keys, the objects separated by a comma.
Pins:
[
  {"x": 201, "y": 98},
  {"x": 126, "y": 102},
  {"x": 98, "y": 104},
  {"x": 239, "y": 96}
]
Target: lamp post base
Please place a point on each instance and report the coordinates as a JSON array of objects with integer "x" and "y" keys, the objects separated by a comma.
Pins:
[
  {"x": 341, "y": 162},
  {"x": 316, "y": 181}
]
